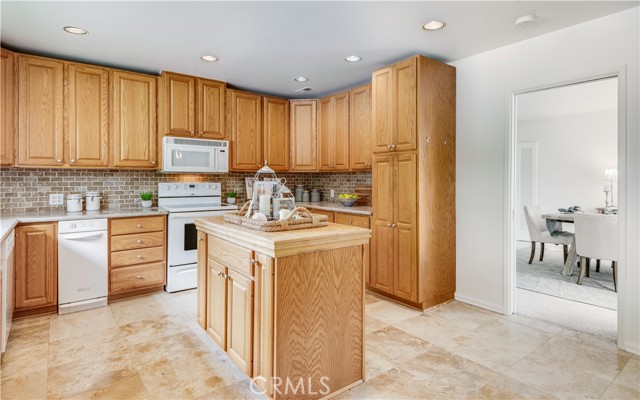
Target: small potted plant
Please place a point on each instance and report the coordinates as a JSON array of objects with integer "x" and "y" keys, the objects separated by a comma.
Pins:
[
  {"x": 146, "y": 199},
  {"x": 231, "y": 197}
]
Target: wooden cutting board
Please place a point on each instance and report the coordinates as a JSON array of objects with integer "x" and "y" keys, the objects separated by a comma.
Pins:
[{"x": 364, "y": 195}]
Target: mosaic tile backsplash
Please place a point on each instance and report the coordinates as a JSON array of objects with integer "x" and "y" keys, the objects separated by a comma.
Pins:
[{"x": 26, "y": 189}]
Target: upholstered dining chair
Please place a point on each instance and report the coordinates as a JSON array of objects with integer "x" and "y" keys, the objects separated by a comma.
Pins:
[
  {"x": 538, "y": 233},
  {"x": 597, "y": 237}
]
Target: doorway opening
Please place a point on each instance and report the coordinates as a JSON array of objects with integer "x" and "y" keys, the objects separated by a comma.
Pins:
[{"x": 565, "y": 163}]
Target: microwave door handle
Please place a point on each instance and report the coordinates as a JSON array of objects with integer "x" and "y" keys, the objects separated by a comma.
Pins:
[{"x": 214, "y": 160}]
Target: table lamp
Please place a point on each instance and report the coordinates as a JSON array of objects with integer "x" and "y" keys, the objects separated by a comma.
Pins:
[{"x": 611, "y": 174}]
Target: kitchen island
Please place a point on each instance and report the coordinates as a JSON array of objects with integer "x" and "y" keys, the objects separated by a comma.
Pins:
[{"x": 287, "y": 307}]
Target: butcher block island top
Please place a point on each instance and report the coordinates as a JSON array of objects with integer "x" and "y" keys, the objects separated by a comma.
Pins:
[{"x": 287, "y": 307}]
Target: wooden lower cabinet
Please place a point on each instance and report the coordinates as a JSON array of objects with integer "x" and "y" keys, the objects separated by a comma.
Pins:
[
  {"x": 137, "y": 256},
  {"x": 240, "y": 320},
  {"x": 36, "y": 269},
  {"x": 216, "y": 289},
  {"x": 202, "y": 277}
]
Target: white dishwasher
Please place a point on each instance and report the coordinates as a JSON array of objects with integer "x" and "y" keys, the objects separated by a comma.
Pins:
[{"x": 82, "y": 265}]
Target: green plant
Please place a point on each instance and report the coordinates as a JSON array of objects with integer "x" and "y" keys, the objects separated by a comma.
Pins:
[
  {"x": 146, "y": 196},
  {"x": 232, "y": 194}
]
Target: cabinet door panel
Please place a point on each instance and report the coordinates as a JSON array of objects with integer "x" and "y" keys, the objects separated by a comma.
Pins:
[
  {"x": 360, "y": 128},
  {"x": 405, "y": 95},
  {"x": 36, "y": 266},
  {"x": 202, "y": 280},
  {"x": 217, "y": 303},
  {"x": 41, "y": 130},
  {"x": 263, "y": 323},
  {"x": 211, "y": 99},
  {"x": 246, "y": 131},
  {"x": 340, "y": 136},
  {"x": 405, "y": 235},
  {"x": 8, "y": 111},
  {"x": 382, "y": 107},
  {"x": 88, "y": 115},
  {"x": 180, "y": 107},
  {"x": 276, "y": 133},
  {"x": 134, "y": 120},
  {"x": 325, "y": 130},
  {"x": 303, "y": 135},
  {"x": 240, "y": 318},
  {"x": 382, "y": 236}
]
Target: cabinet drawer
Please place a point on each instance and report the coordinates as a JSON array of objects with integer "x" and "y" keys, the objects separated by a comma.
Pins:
[
  {"x": 230, "y": 255},
  {"x": 137, "y": 225},
  {"x": 137, "y": 241},
  {"x": 138, "y": 276},
  {"x": 329, "y": 214},
  {"x": 139, "y": 256},
  {"x": 361, "y": 221}
]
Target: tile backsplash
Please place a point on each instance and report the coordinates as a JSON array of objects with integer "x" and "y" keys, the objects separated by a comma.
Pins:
[{"x": 26, "y": 189}]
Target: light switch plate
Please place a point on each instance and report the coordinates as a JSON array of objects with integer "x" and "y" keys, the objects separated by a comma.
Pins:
[
  {"x": 332, "y": 193},
  {"x": 56, "y": 199}
]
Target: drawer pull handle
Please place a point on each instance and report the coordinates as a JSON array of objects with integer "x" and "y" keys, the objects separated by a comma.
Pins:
[
  {"x": 139, "y": 225},
  {"x": 253, "y": 262},
  {"x": 200, "y": 239},
  {"x": 139, "y": 241},
  {"x": 350, "y": 222},
  {"x": 139, "y": 277},
  {"x": 223, "y": 275},
  {"x": 139, "y": 257}
]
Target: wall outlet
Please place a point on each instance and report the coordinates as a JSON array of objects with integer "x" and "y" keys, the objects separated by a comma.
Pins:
[
  {"x": 56, "y": 199},
  {"x": 332, "y": 193}
]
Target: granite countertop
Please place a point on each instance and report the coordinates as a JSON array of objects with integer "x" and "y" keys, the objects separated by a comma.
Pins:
[
  {"x": 336, "y": 206},
  {"x": 8, "y": 221}
]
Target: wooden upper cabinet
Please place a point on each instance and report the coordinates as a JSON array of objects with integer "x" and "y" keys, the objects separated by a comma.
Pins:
[
  {"x": 382, "y": 109},
  {"x": 8, "y": 111},
  {"x": 333, "y": 133},
  {"x": 36, "y": 267},
  {"x": 245, "y": 123},
  {"x": 394, "y": 107},
  {"x": 179, "y": 104},
  {"x": 360, "y": 128},
  {"x": 40, "y": 97},
  {"x": 405, "y": 96},
  {"x": 87, "y": 111},
  {"x": 210, "y": 97},
  {"x": 275, "y": 113},
  {"x": 134, "y": 120},
  {"x": 303, "y": 135}
]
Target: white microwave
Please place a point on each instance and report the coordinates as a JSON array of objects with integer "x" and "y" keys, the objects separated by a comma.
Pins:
[{"x": 194, "y": 155}]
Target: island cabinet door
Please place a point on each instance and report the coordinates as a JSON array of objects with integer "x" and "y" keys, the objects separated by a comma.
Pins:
[
  {"x": 240, "y": 320},
  {"x": 263, "y": 323},
  {"x": 217, "y": 303}
]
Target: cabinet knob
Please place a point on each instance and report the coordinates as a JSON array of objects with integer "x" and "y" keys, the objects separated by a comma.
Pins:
[
  {"x": 393, "y": 225},
  {"x": 388, "y": 146},
  {"x": 139, "y": 226},
  {"x": 139, "y": 257},
  {"x": 200, "y": 133},
  {"x": 153, "y": 162},
  {"x": 139, "y": 241},
  {"x": 200, "y": 239},
  {"x": 393, "y": 146},
  {"x": 59, "y": 160},
  {"x": 73, "y": 160},
  {"x": 388, "y": 225},
  {"x": 350, "y": 222},
  {"x": 139, "y": 277}
]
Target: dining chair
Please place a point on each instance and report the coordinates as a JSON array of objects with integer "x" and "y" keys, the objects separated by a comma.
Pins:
[
  {"x": 597, "y": 237},
  {"x": 538, "y": 233}
]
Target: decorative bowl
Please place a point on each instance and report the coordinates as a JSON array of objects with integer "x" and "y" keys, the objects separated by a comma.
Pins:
[{"x": 348, "y": 202}]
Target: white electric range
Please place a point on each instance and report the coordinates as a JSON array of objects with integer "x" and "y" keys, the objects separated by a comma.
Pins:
[{"x": 186, "y": 201}]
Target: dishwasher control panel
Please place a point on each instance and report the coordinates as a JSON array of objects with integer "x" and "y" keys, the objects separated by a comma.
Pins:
[{"x": 84, "y": 225}]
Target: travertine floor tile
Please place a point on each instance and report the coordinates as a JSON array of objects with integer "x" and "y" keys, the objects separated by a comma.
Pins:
[
  {"x": 630, "y": 375},
  {"x": 175, "y": 347},
  {"x": 141, "y": 309},
  {"x": 31, "y": 386},
  {"x": 18, "y": 361},
  {"x": 394, "y": 345},
  {"x": 371, "y": 324},
  {"x": 505, "y": 388},
  {"x": 91, "y": 346},
  {"x": 376, "y": 365},
  {"x": 29, "y": 332},
  {"x": 70, "y": 379},
  {"x": 619, "y": 392},
  {"x": 389, "y": 312},
  {"x": 81, "y": 323},
  {"x": 591, "y": 340},
  {"x": 370, "y": 298},
  {"x": 127, "y": 388},
  {"x": 151, "y": 330}
]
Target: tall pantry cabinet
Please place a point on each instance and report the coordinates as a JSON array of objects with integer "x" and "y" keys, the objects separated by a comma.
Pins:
[{"x": 413, "y": 182}]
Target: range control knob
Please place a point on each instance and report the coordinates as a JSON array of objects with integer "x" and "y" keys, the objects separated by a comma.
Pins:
[
  {"x": 175, "y": 186},
  {"x": 73, "y": 226},
  {"x": 208, "y": 186}
]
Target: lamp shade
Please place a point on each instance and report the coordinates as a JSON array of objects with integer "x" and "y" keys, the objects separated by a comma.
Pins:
[{"x": 611, "y": 174}]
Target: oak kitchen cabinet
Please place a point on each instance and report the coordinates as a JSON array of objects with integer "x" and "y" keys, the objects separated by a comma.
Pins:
[
  {"x": 244, "y": 122},
  {"x": 303, "y": 135},
  {"x": 281, "y": 323},
  {"x": 8, "y": 110},
  {"x": 134, "y": 120},
  {"x": 192, "y": 106},
  {"x": 36, "y": 269},
  {"x": 40, "y": 116},
  {"x": 394, "y": 102},
  {"x": 276, "y": 137},
  {"x": 360, "y": 128},
  {"x": 413, "y": 183},
  {"x": 333, "y": 132}
]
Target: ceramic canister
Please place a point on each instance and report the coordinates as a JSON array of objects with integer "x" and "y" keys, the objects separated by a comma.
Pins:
[
  {"x": 74, "y": 202},
  {"x": 92, "y": 201}
]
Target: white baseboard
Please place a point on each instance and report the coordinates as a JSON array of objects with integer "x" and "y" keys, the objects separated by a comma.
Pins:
[
  {"x": 632, "y": 348},
  {"x": 479, "y": 303}
]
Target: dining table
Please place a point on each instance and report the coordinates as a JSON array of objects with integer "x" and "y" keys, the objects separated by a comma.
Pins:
[{"x": 554, "y": 224}]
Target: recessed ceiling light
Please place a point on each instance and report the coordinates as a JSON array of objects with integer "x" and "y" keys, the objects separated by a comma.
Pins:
[
  {"x": 209, "y": 58},
  {"x": 525, "y": 20},
  {"x": 75, "y": 30},
  {"x": 301, "y": 79},
  {"x": 353, "y": 58},
  {"x": 433, "y": 25}
]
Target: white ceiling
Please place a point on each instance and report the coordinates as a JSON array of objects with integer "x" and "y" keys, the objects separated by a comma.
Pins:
[
  {"x": 588, "y": 97},
  {"x": 263, "y": 45}
]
